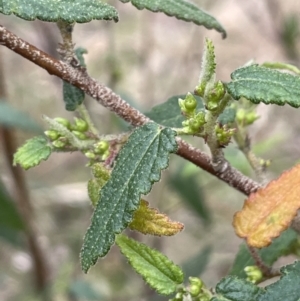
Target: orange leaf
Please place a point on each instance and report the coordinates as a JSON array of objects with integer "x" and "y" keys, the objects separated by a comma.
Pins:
[
  {"x": 149, "y": 221},
  {"x": 270, "y": 210}
]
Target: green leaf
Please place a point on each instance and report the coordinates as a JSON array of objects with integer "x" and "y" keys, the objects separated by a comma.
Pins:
[
  {"x": 169, "y": 113},
  {"x": 73, "y": 96},
  {"x": 66, "y": 10},
  {"x": 280, "y": 246},
  {"x": 138, "y": 166},
  {"x": 155, "y": 268},
  {"x": 233, "y": 289},
  {"x": 180, "y": 9},
  {"x": 14, "y": 118},
  {"x": 287, "y": 288},
  {"x": 260, "y": 84},
  {"x": 32, "y": 152}
]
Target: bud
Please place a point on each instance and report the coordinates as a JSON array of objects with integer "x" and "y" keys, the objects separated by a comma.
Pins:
[
  {"x": 52, "y": 134},
  {"x": 214, "y": 96},
  {"x": 200, "y": 89},
  {"x": 254, "y": 274},
  {"x": 65, "y": 122},
  {"x": 79, "y": 135},
  {"x": 58, "y": 143},
  {"x": 90, "y": 155},
  {"x": 101, "y": 147},
  {"x": 190, "y": 103},
  {"x": 80, "y": 125}
]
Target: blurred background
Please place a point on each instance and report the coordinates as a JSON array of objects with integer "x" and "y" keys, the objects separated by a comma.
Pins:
[{"x": 146, "y": 58}]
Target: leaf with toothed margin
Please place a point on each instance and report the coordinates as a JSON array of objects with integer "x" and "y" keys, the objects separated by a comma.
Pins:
[
  {"x": 155, "y": 268},
  {"x": 65, "y": 10},
  {"x": 138, "y": 166},
  {"x": 261, "y": 84},
  {"x": 182, "y": 10}
]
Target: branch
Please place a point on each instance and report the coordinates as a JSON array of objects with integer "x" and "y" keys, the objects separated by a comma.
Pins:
[{"x": 107, "y": 98}]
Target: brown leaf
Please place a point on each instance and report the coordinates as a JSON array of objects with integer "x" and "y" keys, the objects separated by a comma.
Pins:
[
  {"x": 270, "y": 210},
  {"x": 149, "y": 221}
]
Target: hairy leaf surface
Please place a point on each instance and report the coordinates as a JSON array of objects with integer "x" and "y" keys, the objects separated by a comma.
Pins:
[
  {"x": 270, "y": 210},
  {"x": 182, "y": 10},
  {"x": 156, "y": 269},
  {"x": 138, "y": 166},
  {"x": 260, "y": 84},
  {"x": 148, "y": 220},
  {"x": 234, "y": 289},
  {"x": 282, "y": 245},
  {"x": 32, "y": 152},
  {"x": 54, "y": 10},
  {"x": 287, "y": 288}
]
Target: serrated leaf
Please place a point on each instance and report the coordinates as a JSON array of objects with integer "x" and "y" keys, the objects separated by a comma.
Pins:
[
  {"x": 73, "y": 96},
  {"x": 12, "y": 117},
  {"x": 138, "y": 166},
  {"x": 283, "y": 245},
  {"x": 260, "y": 84},
  {"x": 270, "y": 210},
  {"x": 148, "y": 220},
  {"x": 182, "y": 10},
  {"x": 233, "y": 289},
  {"x": 66, "y": 10},
  {"x": 155, "y": 268},
  {"x": 287, "y": 287},
  {"x": 32, "y": 152}
]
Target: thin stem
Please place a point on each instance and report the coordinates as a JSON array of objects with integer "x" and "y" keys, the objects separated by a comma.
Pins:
[
  {"x": 267, "y": 271},
  {"x": 106, "y": 97}
]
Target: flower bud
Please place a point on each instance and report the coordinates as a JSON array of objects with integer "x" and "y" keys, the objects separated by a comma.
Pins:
[
  {"x": 190, "y": 103},
  {"x": 58, "y": 143},
  {"x": 90, "y": 155},
  {"x": 79, "y": 135},
  {"x": 101, "y": 147},
  {"x": 52, "y": 134},
  {"x": 65, "y": 122},
  {"x": 80, "y": 125},
  {"x": 254, "y": 273}
]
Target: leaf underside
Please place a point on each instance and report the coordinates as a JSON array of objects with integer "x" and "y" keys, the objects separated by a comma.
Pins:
[
  {"x": 270, "y": 210},
  {"x": 155, "y": 268},
  {"x": 182, "y": 10},
  {"x": 149, "y": 220},
  {"x": 260, "y": 84},
  {"x": 32, "y": 152},
  {"x": 52, "y": 11},
  {"x": 138, "y": 166}
]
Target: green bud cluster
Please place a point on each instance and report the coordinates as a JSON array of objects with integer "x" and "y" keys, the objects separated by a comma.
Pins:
[
  {"x": 254, "y": 274},
  {"x": 224, "y": 134},
  {"x": 245, "y": 118},
  {"x": 214, "y": 96},
  {"x": 195, "y": 292},
  {"x": 194, "y": 124}
]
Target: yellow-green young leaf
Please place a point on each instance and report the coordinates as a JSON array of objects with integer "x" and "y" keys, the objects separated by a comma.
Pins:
[
  {"x": 66, "y": 10},
  {"x": 155, "y": 268},
  {"x": 269, "y": 211},
  {"x": 149, "y": 221},
  {"x": 181, "y": 9},
  {"x": 32, "y": 152}
]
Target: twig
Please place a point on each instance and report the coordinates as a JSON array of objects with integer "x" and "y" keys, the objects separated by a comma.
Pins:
[{"x": 106, "y": 97}]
